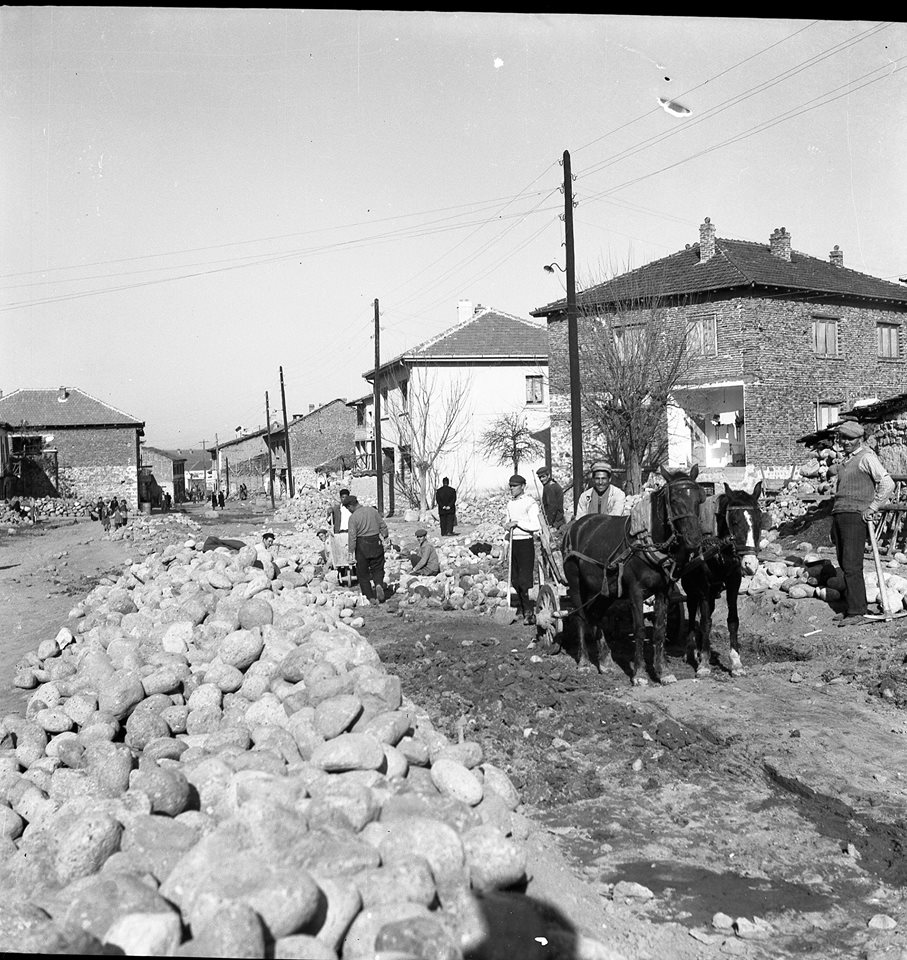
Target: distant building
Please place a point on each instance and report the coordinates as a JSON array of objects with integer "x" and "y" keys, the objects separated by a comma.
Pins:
[
  {"x": 168, "y": 467},
  {"x": 323, "y": 435},
  {"x": 65, "y": 442},
  {"x": 786, "y": 342}
]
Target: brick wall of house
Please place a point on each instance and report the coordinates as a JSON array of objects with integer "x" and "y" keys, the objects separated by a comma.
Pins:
[
  {"x": 322, "y": 435},
  {"x": 96, "y": 461},
  {"x": 767, "y": 343},
  {"x": 247, "y": 460}
]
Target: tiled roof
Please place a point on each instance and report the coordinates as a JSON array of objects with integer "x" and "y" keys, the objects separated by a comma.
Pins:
[
  {"x": 262, "y": 431},
  {"x": 169, "y": 454},
  {"x": 736, "y": 263},
  {"x": 42, "y": 408},
  {"x": 489, "y": 334}
]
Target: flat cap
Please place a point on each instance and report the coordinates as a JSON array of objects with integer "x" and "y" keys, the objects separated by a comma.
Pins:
[
  {"x": 850, "y": 430},
  {"x": 421, "y": 533},
  {"x": 543, "y": 471},
  {"x": 516, "y": 478},
  {"x": 600, "y": 465},
  {"x": 352, "y": 502}
]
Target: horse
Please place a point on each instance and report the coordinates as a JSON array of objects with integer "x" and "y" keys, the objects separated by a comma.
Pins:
[
  {"x": 721, "y": 566},
  {"x": 601, "y": 564}
]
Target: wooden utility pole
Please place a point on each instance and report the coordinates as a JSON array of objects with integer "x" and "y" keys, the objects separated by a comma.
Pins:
[
  {"x": 379, "y": 456},
  {"x": 576, "y": 413},
  {"x": 227, "y": 468},
  {"x": 286, "y": 437},
  {"x": 204, "y": 468},
  {"x": 270, "y": 461},
  {"x": 216, "y": 464}
]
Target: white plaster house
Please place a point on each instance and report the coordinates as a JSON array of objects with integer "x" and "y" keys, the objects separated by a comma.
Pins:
[{"x": 487, "y": 365}]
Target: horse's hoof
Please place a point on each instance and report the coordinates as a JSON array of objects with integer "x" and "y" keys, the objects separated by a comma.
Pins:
[
  {"x": 640, "y": 682},
  {"x": 668, "y": 678},
  {"x": 703, "y": 672}
]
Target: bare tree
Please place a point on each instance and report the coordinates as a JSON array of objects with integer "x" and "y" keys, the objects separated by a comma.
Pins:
[
  {"x": 509, "y": 440},
  {"x": 633, "y": 354},
  {"x": 429, "y": 419}
]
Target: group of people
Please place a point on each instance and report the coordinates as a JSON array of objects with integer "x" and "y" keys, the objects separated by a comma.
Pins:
[
  {"x": 217, "y": 499},
  {"x": 115, "y": 513}
]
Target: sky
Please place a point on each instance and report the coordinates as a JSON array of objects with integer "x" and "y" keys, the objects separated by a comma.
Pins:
[{"x": 191, "y": 199}]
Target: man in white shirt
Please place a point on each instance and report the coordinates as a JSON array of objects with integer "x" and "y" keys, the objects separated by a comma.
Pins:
[
  {"x": 522, "y": 524},
  {"x": 602, "y": 497},
  {"x": 339, "y": 514}
]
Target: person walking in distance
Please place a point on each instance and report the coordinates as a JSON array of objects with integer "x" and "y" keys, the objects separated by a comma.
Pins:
[
  {"x": 365, "y": 537},
  {"x": 552, "y": 499},
  {"x": 446, "y": 499},
  {"x": 863, "y": 486},
  {"x": 522, "y": 524}
]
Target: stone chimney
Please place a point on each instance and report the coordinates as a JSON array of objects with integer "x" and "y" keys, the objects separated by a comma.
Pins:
[
  {"x": 779, "y": 242},
  {"x": 836, "y": 256},
  {"x": 706, "y": 241},
  {"x": 62, "y": 395},
  {"x": 464, "y": 310},
  {"x": 311, "y": 407}
]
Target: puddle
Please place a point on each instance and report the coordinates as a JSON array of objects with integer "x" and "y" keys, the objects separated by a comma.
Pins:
[{"x": 692, "y": 894}]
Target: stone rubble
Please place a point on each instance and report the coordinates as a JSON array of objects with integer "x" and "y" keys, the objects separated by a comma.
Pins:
[{"x": 214, "y": 762}]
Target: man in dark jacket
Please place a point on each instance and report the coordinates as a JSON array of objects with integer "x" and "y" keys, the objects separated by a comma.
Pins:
[
  {"x": 446, "y": 499},
  {"x": 366, "y": 535},
  {"x": 552, "y": 499}
]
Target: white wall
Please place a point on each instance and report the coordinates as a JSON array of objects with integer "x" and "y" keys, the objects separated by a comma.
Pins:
[{"x": 486, "y": 393}]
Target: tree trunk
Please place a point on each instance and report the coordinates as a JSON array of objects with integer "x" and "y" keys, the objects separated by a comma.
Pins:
[
  {"x": 423, "y": 493},
  {"x": 634, "y": 472}
]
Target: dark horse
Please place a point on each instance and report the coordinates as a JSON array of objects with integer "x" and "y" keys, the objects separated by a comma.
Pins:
[
  {"x": 601, "y": 564},
  {"x": 721, "y": 567}
]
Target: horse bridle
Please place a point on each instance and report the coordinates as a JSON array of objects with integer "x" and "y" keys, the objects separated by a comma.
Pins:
[
  {"x": 730, "y": 539},
  {"x": 669, "y": 510}
]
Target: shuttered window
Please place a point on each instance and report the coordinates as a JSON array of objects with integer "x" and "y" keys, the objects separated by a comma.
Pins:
[
  {"x": 825, "y": 336},
  {"x": 889, "y": 340},
  {"x": 534, "y": 390}
]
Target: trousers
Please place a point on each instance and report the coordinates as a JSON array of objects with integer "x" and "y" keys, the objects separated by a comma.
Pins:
[
  {"x": 370, "y": 565},
  {"x": 849, "y": 532},
  {"x": 448, "y": 521}
]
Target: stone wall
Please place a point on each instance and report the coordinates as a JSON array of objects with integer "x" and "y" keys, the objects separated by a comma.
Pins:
[{"x": 323, "y": 435}]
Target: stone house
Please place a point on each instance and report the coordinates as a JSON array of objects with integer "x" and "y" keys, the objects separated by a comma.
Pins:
[
  {"x": 489, "y": 364},
  {"x": 65, "y": 442},
  {"x": 785, "y": 342},
  {"x": 323, "y": 435},
  {"x": 168, "y": 467}
]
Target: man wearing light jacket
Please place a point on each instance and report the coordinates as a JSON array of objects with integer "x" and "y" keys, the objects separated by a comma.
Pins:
[
  {"x": 523, "y": 526},
  {"x": 863, "y": 486},
  {"x": 602, "y": 497}
]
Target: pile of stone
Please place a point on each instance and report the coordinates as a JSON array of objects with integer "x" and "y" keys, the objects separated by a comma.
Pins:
[
  {"x": 814, "y": 575},
  {"x": 46, "y": 508},
  {"x": 890, "y": 441},
  {"x": 152, "y": 530},
  {"x": 216, "y": 763}
]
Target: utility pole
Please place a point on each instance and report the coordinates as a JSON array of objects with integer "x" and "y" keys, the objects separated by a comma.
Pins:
[
  {"x": 270, "y": 462},
  {"x": 204, "y": 468},
  {"x": 286, "y": 437},
  {"x": 379, "y": 456},
  {"x": 227, "y": 466},
  {"x": 216, "y": 464},
  {"x": 576, "y": 425}
]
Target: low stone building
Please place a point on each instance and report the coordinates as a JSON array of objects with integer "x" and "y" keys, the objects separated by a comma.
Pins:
[
  {"x": 65, "y": 442},
  {"x": 323, "y": 435},
  {"x": 168, "y": 467}
]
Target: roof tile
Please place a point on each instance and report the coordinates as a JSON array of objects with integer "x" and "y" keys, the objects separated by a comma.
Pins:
[{"x": 43, "y": 408}]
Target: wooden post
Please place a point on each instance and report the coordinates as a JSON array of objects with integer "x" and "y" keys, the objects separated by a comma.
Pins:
[
  {"x": 379, "y": 455},
  {"x": 576, "y": 425},
  {"x": 270, "y": 461},
  {"x": 286, "y": 437}
]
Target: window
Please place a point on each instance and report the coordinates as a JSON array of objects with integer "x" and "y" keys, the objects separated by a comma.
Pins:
[
  {"x": 704, "y": 336},
  {"x": 889, "y": 340},
  {"x": 626, "y": 339},
  {"x": 28, "y": 446},
  {"x": 404, "y": 393},
  {"x": 827, "y": 413},
  {"x": 360, "y": 416},
  {"x": 534, "y": 390},
  {"x": 825, "y": 336}
]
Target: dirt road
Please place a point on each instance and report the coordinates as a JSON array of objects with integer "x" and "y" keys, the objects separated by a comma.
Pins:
[{"x": 779, "y": 796}]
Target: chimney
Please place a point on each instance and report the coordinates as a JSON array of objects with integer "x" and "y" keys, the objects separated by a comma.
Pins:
[
  {"x": 62, "y": 395},
  {"x": 836, "y": 256},
  {"x": 779, "y": 242},
  {"x": 311, "y": 407},
  {"x": 706, "y": 241},
  {"x": 479, "y": 308},
  {"x": 464, "y": 310}
]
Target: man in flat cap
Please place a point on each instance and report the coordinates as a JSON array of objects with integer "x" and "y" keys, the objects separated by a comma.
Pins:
[
  {"x": 425, "y": 562},
  {"x": 521, "y": 521},
  {"x": 552, "y": 499},
  {"x": 365, "y": 537},
  {"x": 602, "y": 497},
  {"x": 863, "y": 486}
]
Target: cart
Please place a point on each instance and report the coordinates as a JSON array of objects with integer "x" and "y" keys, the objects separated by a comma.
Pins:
[{"x": 338, "y": 558}]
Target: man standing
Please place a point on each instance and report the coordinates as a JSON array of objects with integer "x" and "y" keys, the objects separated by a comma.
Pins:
[
  {"x": 220, "y": 499},
  {"x": 339, "y": 514},
  {"x": 602, "y": 497},
  {"x": 552, "y": 499},
  {"x": 367, "y": 531},
  {"x": 522, "y": 524},
  {"x": 446, "y": 499},
  {"x": 863, "y": 486}
]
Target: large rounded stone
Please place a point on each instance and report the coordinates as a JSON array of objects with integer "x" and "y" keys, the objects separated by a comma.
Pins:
[
  {"x": 121, "y": 694},
  {"x": 143, "y": 726},
  {"x": 146, "y": 934},
  {"x": 167, "y": 788},
  {"x": 494, "y": 861},
  {"x": 454, "y": 780},
  {"x": 95, "y": 902},
  {"x": 241, "y": 648},
  {"x": 418, "y": 937},
  {"x": 349, "y": 751},
  {"x": 256, "y": 612},
  {"x": 498, "y": 782},
  {"x": 234, "y": 929},
  {"x": 86, "y": 845},
  {"x": 360, "y": 943},
  {"x": 439, "y": 843},
  {"x": 337, "y": 715},
  {"x": 409, "y": 880},
  {"x": 225, "y": 677}
]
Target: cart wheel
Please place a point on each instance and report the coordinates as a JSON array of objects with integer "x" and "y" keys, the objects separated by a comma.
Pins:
[{"x": 547, "y": 625}]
